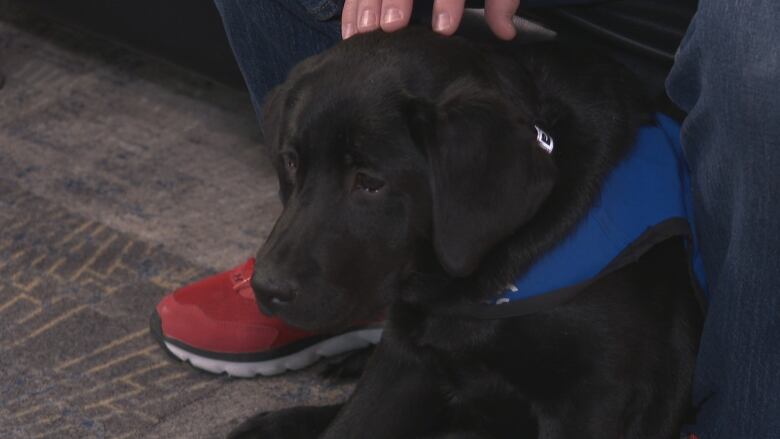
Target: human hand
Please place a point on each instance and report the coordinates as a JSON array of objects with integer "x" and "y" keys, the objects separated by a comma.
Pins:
[{"x": 360, "y": 16}]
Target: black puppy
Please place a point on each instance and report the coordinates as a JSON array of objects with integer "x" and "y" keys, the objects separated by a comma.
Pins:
[{"x": 412, "y": 180}]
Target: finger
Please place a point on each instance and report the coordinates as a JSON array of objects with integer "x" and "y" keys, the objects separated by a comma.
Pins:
[
  {"x": 499, "y": 14},
  {"x": 368, "y": 15},
  {"x": 349, "y": 18},
  {"x": 395, "y": 14},
  {"x": 447, "y": 15}
]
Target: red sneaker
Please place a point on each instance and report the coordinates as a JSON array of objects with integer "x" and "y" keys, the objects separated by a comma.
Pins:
[{"x": 216, "y": 325}]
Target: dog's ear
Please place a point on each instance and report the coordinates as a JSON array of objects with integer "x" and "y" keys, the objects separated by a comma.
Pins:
[
  {"x": 272, "y": 110},
  {"x": 488, "y": 175},
  {"x": 273, "y": 123},
  {"x": 279, "y": 101}
]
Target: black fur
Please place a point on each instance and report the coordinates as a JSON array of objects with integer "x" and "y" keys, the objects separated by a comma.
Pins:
[{"x": 411, "y": 180}]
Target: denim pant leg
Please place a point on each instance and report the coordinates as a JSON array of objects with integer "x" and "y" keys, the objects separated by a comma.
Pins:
[
  {"x": 269, "y": 37},
  {"x": 727, "y": 76}
]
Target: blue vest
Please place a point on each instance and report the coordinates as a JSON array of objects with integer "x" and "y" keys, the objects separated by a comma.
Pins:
[{"x": 646, "y": 199}]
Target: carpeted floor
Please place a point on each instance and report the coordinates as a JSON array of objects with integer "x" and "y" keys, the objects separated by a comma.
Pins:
[{"x": 120, "y": 179}]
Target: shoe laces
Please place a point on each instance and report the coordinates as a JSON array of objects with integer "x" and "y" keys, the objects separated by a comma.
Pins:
[{"x": 242, "y": 283}]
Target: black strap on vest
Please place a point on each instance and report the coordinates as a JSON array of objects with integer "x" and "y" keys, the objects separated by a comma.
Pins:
[{"x": 674, "y": 227}]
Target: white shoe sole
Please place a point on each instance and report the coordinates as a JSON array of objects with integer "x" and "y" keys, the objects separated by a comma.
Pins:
[{"x": 336, "y": 345}]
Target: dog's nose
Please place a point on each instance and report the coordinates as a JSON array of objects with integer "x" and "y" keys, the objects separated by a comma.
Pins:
[{"x": 273, "y": 290}]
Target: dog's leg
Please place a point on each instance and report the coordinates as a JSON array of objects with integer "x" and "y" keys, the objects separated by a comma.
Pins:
[
  {"x": 398, "y": 396},
  {"x": 292, "y": 423}
]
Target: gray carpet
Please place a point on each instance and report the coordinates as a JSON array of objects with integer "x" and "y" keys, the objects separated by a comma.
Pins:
[{"x": 121, "y": 178}]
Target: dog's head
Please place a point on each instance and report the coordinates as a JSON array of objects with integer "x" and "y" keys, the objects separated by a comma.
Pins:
[{"x": 395, "y": 154}]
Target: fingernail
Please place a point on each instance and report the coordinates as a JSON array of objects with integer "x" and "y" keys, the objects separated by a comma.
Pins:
[
  {"x": 367, "y": 19},
  {"x": 442, "y": 22},
  {"x": 347, "y": 30},
  {"x": 392, "y": 15}
]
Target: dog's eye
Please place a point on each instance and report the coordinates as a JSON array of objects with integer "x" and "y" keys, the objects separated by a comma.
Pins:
[
  {"x": 290, "y": 161},
  {"x": 366, "y": 183}
]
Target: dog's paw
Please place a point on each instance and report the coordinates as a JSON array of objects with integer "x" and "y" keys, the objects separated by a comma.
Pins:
[{"x": 292, "y": 423}]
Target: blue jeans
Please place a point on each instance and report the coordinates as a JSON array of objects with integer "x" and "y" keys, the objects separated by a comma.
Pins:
[
  {"x": 727, "y": 77},
  {"x": 269, "y": 37}
]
